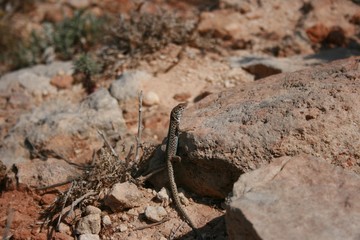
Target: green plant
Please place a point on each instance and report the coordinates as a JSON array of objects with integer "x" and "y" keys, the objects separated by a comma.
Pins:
[
  {"x": 87, "y": 67},
  {"x": 75, "y": 34},
  {"x": 80, "y": 32}
]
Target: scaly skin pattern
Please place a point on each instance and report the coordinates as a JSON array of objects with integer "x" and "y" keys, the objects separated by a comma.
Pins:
[{"x": 171, "y": 149}]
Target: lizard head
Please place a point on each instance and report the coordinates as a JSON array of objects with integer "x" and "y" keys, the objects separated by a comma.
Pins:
[{"x": 177, "y": 111}]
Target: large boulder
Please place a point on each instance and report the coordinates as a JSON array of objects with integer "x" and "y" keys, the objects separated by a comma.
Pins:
[
  {"x": 314, "y": 111},
  {"x": 300, "y": 197}
]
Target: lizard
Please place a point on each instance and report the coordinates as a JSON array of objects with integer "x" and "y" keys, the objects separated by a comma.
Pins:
[{"x": 171, "y": 149}]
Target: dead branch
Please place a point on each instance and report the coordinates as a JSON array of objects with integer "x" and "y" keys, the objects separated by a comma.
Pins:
[
  {"x": 58, "y": 184},
  {"x": 63, "y": 206},
  {"x": 66, "y": 211},
  {"x": 142, "y": 179},
  {"x": 173, "y": 232},
  {"x": 108, "y": 144},
  {"x": 128, "y": 157},
  {"x": 152, "y": 224},
  {"x": 138, "y": 138}
]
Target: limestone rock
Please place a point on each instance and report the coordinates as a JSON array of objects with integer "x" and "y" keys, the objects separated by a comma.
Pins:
[
  {"x": 123, "y": 196},
  {"x": 314, "y": 111},
  {"x": 44, "y": 173},
  {"x": 36, "y": 80},
  {"x": 89, "y": 236},
  {"x": 299, "y": 197},
  {"x": 89, "y": 224},
  {"x": 128, "y": 85},
  {"x": 56, "y": 128},
  {"x": 155, "y": 214},
  {"x": 150, "y": 99},
  {"x": 106, "y": 220},
  {"x": 92, "y": 210}
]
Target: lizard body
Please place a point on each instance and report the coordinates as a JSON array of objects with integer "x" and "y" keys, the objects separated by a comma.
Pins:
[{"x": 171, "y": 149}]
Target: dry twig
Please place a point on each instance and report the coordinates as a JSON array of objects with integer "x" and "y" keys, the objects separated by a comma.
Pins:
[
  {"x": 138, "y": 138},
  {"x": 142, "y": 179},
  {"x": 63, "y": 206},
  {"x": 108, "y": 144},
  {"x": 152, "y": 224}
]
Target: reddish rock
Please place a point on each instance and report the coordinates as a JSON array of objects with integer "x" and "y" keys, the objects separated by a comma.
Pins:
[
  {"x": 317, "y": 33},
  {"x": 56, "y": 12},
  {"x": 62, "y": 81},
  {"x": 300, "y": 197},
  {"x": 314, "y": 111},
  {"x": 182, "y": 97},
  {"x": 355, "y": 19}
]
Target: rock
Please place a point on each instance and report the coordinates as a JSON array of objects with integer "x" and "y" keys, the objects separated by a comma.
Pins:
[
  {"x": 106, "y": 220},
  {"x": 36, "y": 80},
  {"x": 182, "y": 97},
  {"x": 164, "y": 196},
  {"x": 2, "y": 171},
  {"x": 263, "y": 66},
  {"x": 62, "y": 81},
  {"x": 150, "y": 99},
  {"x": 155, "y": 214},
  {"x": 89, "y": 224},
  {"x": 36, "y": 85},
  {"x": 123, "y": 196},
  {"x": 184, "y": 200},
  {"x": 128, "y": 85},
  {"x": 299, "y": 197},
  {"x": 89, "y": 236},
  {"x": 92, "y": 210},
  {"x": 19, "y": 100},
  {"x": 62, "y": 130},
  {"x": 313, "y": 111},
  {"x": 79, "y": 4},
  {"x": 317, "y": 33},
  {"x": 123, "y": 228},
  {"x": 44, "y": 173},
  {"x": 241, "y": 24},
  {"x": 64, "y": 228}
]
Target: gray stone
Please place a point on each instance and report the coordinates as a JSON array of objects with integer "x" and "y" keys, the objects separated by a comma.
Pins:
[
  {"x": 155, "y": 214},
  {"x": 164, "y": 196},
  {"x": 43, "y": 173},
  {"x": 64, "y": 228},
  {"x": 106, "y": 220},
  {"x": 263, "y": 66},
  {"x": 313, "y": 111},
  {"x": 150, "y": 99},
  {"x": 89, "y": 224},
  {"x": 123, "y": 196},
  {"x": 299, "y": 197},
  {"x": 55, "y": 128},
  {"x": 78, "y": 4},
  {"x": 128, "y": 85},
  {"x": 92, "y": 210},
  {"x": 36, "y": 79},
  {"x": 89, "y": 236},
  {"x": 36, "y": 85}
]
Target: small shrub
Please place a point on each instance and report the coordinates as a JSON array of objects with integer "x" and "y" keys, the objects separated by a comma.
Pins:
[
  {"x": 68, "y": 37},
  {"x": 146, "y": 33},
  {"x": 87, "y": 67},
  {"x": 80, "y": 32}
]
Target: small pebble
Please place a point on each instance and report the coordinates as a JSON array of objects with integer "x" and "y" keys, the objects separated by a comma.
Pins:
[
  {"x": 150, "y": 99},
  {"x": 106, "y": 220},
  {"x": 92, "y": 210},
  {"x": 155, "y": 214}
]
